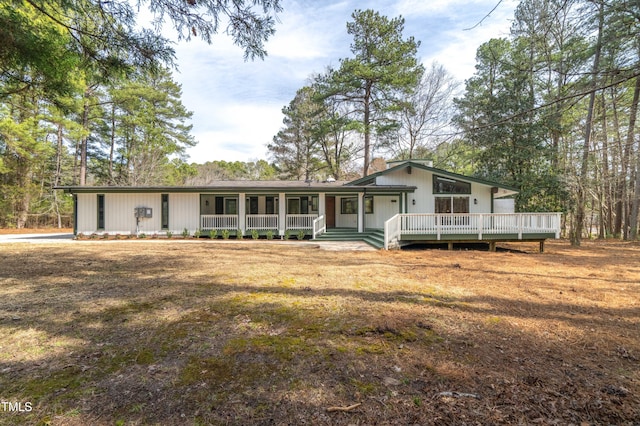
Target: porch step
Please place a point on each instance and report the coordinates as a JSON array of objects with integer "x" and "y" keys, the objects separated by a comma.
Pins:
[{"x": 373, "y": 237}]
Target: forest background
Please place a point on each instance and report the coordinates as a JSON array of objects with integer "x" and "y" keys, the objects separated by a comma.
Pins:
[{"x": 88, "y": 98}]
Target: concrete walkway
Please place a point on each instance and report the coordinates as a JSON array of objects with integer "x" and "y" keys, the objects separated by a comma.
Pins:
[
  {"x": 36, "y": 238},
  {"x": 58, "y": 238}
]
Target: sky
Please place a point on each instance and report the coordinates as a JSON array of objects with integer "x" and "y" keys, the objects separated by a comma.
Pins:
[{"x": 237, "y": 105}]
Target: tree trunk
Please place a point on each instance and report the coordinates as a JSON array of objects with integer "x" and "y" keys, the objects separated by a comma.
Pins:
[
  {"x": 56, "y": 178},
  {"x": 113, "y": 142},
  {"x": 633, "y": 220},
  {"x": 83, "y": 143},
  {"x": 576, "y": 234},
  {"x": 367, "y": 130}
]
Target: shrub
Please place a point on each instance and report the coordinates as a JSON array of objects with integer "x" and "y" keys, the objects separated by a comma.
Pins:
[
  {"x": 213, "y": 234},
  {"x": 239, "y": 233},
  {"x": 197, "y": 233},
  {"x": 185, "y": 233},
  {"x": 287, "y": 234},
  {"x": 169, "y": 234},
  {"x": 255, "y": 234},
  {"x": 105, "y": 236},
  {"x": 142, "y": 235},
  {"x": 225, "y": 234},
  {"x": 270, "y": 234},
  {"x": 301, "y": 234}
]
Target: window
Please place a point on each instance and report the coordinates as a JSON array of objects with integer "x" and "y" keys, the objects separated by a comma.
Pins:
[
  {"x": 100, "y": 211},
  {"x": 349, "y": 205},
  {"x": 253, "y": 205},
  {"x": 299, "y": 205},
  {"x": 165, "y": 211},
  {"x": 293, "y": 205},
  {"x": 314, "y": 203},
  {"x": 442, "y": 185},
  {"x": 368, "y": 204},
  {"x": 452, "y": 205},
  {"x": 230, "y": 206},
  {"x": 271, "y": 205},
  {"x": 304, "y": 205}
]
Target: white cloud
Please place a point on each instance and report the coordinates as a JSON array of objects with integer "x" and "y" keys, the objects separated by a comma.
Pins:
[{"x": 237, "y": 104}]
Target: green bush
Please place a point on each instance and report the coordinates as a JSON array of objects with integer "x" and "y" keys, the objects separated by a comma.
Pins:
[
  {"x": 287, "y": 234},
  {"x": 169, "y": 234},
  {"x": 255, "y": 234},
  {"x": 225, "y": 234},
  {"x": 239, "y": 233},
  {"x": 213, "y": 234},
  {"x": 142, "y": 235},
  {"x": 301, "y": 234},
  {"x": 185, "y": 233},
  {"x": 197, "y": 233},
  {"x": 270, "y": 234}
]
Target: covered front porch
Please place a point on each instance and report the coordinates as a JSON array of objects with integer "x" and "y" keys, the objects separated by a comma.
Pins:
[{"x": 260, "y": 212}]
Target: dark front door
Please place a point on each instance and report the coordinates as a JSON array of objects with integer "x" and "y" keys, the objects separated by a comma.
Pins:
[{"x": 330, "y": 207}]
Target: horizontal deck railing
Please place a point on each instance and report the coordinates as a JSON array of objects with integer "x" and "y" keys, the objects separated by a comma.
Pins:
[
  {"x": 474, "y": 225},
  {"x": 262, "y": 221},
  {"x": 218, "y": 221},
  {"x": 300, "y": 221}
]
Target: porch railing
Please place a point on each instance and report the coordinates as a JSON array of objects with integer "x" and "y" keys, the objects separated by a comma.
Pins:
[
  {"x": 218, "y": 221},
  {"x": 262, "y": 221},
  {"x": 475, "y": 225},
  {"x": 392, "y": 231},
  {"x": 300, "y": 221},
  {"x": 319, "y": 226}
]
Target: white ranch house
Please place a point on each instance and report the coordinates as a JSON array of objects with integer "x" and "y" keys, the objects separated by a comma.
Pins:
[{"x": 410, "y": 201}]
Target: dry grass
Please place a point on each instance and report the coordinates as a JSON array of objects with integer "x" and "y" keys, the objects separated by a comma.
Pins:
[{"x": 122, "y": 333}]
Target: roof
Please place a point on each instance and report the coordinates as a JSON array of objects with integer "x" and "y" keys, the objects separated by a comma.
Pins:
[
  {"x": 261, "y": 186},
  {"x": 371, "y": 179}
]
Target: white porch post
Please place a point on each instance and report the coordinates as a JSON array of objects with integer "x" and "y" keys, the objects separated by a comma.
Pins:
[
  {"x": 242, "y": 208},
  {"x": 360, "y": 212},
  {"x": 322, "y": 207},
  {"x": 282, "y": 213}
]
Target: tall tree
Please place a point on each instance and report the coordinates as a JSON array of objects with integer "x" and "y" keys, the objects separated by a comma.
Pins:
[
  {"x": 427, "y": 114},
  {"x": 378, "y": 79},
  {"x": 151, "y": 128},
  {"x": 295, "y": 149}
]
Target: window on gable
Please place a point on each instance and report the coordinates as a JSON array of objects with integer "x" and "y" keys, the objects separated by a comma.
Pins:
[{"x": 443, "y": 185}]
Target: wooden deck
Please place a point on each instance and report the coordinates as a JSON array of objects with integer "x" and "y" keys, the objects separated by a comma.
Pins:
[{"x": 490, "y": 228}]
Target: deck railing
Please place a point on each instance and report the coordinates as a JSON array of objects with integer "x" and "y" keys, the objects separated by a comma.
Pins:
[
  {"x": 475, "y": 225},
  {"x": 262, "y": 221},
  {"x": 392, "y": 230},
  {"x": 319, "y": 226},
  {"x": 218, "y": 221},
  {"x": 300, "y": 221}
]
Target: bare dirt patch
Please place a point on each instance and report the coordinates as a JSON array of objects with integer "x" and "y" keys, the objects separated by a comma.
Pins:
[{"x": 206, "y": 333}]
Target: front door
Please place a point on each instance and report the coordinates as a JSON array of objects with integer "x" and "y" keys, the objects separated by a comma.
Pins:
[{"x": 330, "y": 213}]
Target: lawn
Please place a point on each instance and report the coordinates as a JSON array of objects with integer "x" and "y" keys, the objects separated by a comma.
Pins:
[{"x": 159, "y": 332}]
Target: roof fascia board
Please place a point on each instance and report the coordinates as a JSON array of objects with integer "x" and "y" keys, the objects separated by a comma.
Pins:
[{"x": 409, "y": 163}]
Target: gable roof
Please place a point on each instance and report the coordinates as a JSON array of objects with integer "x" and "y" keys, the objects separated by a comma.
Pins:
[{"x": 371, "y": 179}]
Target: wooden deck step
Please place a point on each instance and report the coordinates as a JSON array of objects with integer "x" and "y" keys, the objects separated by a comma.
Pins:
[{"x": 373, "y": 237}]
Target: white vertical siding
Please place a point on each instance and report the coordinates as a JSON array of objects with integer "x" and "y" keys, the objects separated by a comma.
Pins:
[
  {"x": 345, "y": 220},
  {"x": 383, "y": 209},
  {"x": 423, "y": 196},
  {"x": 87, "y": 220},
  {"x": 184, "y": 212},
  {"x": 119, "y": 214}
]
